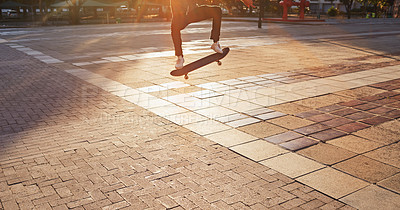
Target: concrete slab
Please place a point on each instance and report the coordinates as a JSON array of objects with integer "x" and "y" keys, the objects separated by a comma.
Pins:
[
  {"x": 373, "y": 197},
  {"x": 367, "y": 169},
  {"x": 332, "y": 182},
  {"x": 258, "y": 150},
  {"x": 292, "y": 165},
  {"x": 231, "y": 137},
  {"x": 355, "y": 144},
  {"x": 326, "y": 153}
]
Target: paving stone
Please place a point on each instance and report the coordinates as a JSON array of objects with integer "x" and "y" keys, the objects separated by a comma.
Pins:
[
  {"x": 290, "y": 108},
  {"x": 380, "y": 110},
  {"x": 230, "y": 137},
  {"x": 367, "y": 169},
  {"x": 283, "y": 137},
  {"x": 394, "y": 105},
  {"x": 378, "y": 134},
  {"x": 258, "y": 150},
  {"x": 290, "y": 122},
  {"x": 314, "y": 204},
  {"x": 371, "y": 197},
  {"x": 375, "y": 120},
  {"x": 332, "y": 182},
  {"x": 332, "y": 205},
  {"x": 215, "y": 112},
  {"x": 366, "y": 106},
  {"x": 292, "y": 203},
  {"x": 207, "y": 127},
  {"x": 321, "y": 117},
  {"x": 230, "y": 118},
  {"x": 359, "y": 116},
  {"x": 307, "y": 130},
  {"x": 326, "y": 153},
  {"x": 388, "y": 154},
  {"x": 355, "y": 144},
  {"x": 327, "y": 135},
  {"x": 337, "y": 122},
  {"x": 352, "y": 127},
  {"x": 298, "y": 144},
  {"x": 204, "y": 94},
  {"x": 360, "y": 92},
  {"x": 391, "y": 183},
  {"x": 262, "y": 129},
  {"x": 270, "y": 115},
  {"x": 389, "y": 94},
  {"x": 344, "y": 112},
  {"x": 309, "y": 114},
  {"x": 321, "y": 101},
  {"x": 330, "y": 108},
  {"x": 352, "y": 103},
  {"x": 385, "y": 101},
  {"x": 388, "y": 85},
  {"x": 258, "y": 111},
  {"x": 243, "y": 122},
  {"x": 393, "y": 125},
  {"x": 185, "y": 118},
  {"x": 395, "y": 114},
  {"x": 372, "y": 98},
  {"x": 168, "y": 110},
  {"x": 242, "y": 106}
]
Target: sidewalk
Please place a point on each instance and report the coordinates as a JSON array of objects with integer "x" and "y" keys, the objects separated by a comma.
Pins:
[
  {"x": 313, "y": 21},
  {"x": 71, "y": 144},
  {"x": 88, "y": 130}
]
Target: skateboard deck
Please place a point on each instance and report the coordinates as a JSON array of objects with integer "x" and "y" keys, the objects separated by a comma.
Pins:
[{"x": 216, "y": 57}]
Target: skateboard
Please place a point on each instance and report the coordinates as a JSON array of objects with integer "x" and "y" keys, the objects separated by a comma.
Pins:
[{"x": 216, "y": 57}]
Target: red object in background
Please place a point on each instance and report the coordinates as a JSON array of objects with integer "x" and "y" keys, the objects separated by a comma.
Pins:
[
  {"x": 288, "y": 3},
  {"x": 285, "y": 4}
]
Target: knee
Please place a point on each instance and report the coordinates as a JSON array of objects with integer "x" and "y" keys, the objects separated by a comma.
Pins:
[
  {"x": 175, "y": 31},
  {"x": 218, "y": 11},
  {"x": 177, "y": 25}
]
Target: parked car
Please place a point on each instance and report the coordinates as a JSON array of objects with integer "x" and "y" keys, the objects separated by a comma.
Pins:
[
  {"x": 225, "y": 11},
  {"x": 12, "y": 14}
]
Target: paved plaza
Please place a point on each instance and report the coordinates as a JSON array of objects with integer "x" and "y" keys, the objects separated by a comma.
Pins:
[{"x": 296, "y": 117}]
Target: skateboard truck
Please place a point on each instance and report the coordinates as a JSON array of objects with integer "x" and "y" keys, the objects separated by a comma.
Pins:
[{"x": 187, "y": 77}]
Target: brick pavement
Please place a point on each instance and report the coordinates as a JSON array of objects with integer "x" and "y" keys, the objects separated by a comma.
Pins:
[
  {"x": 89, "y": 148},
  {"x": 72, "y": 145}
]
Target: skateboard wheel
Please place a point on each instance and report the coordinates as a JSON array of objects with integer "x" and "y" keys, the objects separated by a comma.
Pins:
[
  {"x": 186, "y": 76},
  {"x": 219, "y": 63}
]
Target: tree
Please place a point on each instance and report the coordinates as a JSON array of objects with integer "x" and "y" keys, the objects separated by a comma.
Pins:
[
  {"x": 364, "y": 4},
  {"x": 380, "y": 6},
  {"x": 74, "y": 8},
  {"x": 396, "y": 8},
  {"x": 1, "y": 13},
  {"x": 348, "y": 5}
]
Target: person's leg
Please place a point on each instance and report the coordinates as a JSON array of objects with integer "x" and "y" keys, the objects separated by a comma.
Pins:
[
  {"x": 177, "y": 25},
  {"x": 206, "y": 12},
  {"x": 196, "y": 15}
]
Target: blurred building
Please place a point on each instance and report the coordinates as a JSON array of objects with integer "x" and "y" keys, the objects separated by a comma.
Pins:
[{"x": 323, "y": 5}]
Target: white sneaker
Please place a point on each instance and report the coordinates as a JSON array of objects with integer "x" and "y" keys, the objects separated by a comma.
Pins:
[
  {"x": 216, "y": 47},
  {"x": 179, "y": 62}
]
